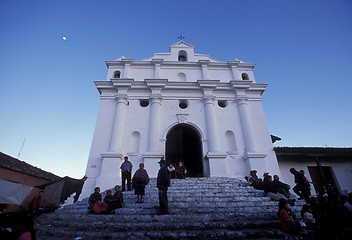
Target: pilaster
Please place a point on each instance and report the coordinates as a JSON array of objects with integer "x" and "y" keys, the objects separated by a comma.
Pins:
[
  {"x": 154, "y": 118},
  {"x": 110, "y": 171},
  {"x": 127, "y": 65},
  {"x": 157, "y": 67},
  {"x": 204, "y": 65}
]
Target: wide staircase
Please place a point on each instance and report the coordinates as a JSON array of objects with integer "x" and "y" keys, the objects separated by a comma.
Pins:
[{"x": 200, "y": 208}]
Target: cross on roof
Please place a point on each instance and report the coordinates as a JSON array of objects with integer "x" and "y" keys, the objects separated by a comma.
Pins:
[{"x": 181, "y": 37}]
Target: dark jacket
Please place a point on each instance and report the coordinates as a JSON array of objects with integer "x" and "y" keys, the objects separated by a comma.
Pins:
[
  {"x": 163, "y": 180},
  {"x": 277, "y": 185},
  {"x": 299, "y": 178}
]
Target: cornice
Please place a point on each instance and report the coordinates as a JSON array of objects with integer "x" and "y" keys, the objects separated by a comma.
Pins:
[
  {"x": 246, "y": 65},
  {"x": 122, "y": 82},
  {"x": 240, "y": 89},
  {"x": 163, "y": 63}
]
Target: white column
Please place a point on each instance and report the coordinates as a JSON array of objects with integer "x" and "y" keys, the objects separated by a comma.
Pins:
[
  {"x": 154, "y": 122},
  {"x": 119, "y": 120},
  {"x": 246, "y": 126},
  {"x": 210, "y": 121}
]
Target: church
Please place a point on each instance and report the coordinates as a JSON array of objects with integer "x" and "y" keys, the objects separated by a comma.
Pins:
[{"x": 184, "y": 107}]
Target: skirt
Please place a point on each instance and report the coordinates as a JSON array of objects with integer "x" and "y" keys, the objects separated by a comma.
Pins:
[{"x": 139, "y": 189}]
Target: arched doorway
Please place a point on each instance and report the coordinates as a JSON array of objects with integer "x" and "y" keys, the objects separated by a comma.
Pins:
[{"x": 183, "y": 144}]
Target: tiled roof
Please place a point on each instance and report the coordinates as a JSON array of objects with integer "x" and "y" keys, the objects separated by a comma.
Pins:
[
  {"x": 314, "y": 151},
  {"x": 16, "y": 165}
]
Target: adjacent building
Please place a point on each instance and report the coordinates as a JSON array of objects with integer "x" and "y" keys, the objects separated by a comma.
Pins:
[{"x": 15, "y": 170}]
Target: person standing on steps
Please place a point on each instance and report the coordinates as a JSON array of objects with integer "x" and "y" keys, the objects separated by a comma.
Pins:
[
  {"x": 126, "y": 172},
  {"x": 162, "y": 183},
  {"x": 139, "y": 180}
]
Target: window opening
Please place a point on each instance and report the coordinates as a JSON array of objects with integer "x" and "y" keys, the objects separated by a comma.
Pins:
[
  {"x": 117, "y": 74},
  {"x": 182, "y": 56},
  {"x": 245, "y": 76},
  {"x": 183, "y": 104},
  {"x": 222, "y": 103},
  {"x": 144, "y": 103}
]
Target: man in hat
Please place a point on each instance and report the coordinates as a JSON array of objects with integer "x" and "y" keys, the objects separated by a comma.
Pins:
[
  {"x": 162, "y": 183},
  {"x": 126, "y": 171}
]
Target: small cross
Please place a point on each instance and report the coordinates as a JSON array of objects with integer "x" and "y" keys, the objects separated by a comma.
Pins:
[{"x": 181, "y": 37}]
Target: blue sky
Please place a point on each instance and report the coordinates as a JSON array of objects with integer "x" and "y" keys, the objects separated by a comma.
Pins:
[{"x": 303, "y": 50}]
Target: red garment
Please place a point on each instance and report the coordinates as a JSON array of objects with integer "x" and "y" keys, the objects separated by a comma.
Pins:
[
  {"x": 25, "y": 236},
  {"x": 35, "y": 202},
  {"x": 100, "y": 207},
  {"x": 285, "y": 220}
]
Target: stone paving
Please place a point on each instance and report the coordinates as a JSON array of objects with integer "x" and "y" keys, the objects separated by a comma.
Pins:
[{"x": 200, "y": 208}]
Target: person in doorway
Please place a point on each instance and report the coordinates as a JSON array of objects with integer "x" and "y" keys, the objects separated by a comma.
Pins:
[
  {"x": 181, "y": 171},
  {"x": 172, "y": 170},
  {"x": 126, "y": 172},
  {"x": 301, "y": 188},
  {"x": 139, "y": 181},
  {"x": 162, "y": 183}
]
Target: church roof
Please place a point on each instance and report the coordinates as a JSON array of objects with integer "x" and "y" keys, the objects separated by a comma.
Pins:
[
  {"x": 313, "y": 151},
  {"x": 13, "y": 164},
  {"x": 181, "y": 44},
  {"x": 172, "y": 55}
]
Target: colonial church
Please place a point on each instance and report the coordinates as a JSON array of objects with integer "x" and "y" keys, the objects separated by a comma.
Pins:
[{"x": 181, "y": 106}]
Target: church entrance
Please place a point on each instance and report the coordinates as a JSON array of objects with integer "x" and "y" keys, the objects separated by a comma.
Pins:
[{"x": 183, "y": 144}]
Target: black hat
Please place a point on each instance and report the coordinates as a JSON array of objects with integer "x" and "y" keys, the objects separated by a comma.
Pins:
[
  {"x": 162, "y": 161},
  {"x": 125, "y": 157}
]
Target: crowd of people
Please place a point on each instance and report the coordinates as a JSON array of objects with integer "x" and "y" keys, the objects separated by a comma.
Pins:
[
  {"x": 138, "y": 182},
  {"x": 328, "y": 215}
]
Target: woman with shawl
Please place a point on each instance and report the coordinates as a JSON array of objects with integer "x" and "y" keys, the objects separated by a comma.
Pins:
[{"x": 139, "y": 180}]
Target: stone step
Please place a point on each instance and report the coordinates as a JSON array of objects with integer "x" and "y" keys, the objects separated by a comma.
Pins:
[
  {"x": 225, "y": 234},
  {"x": 176, "y": 217},
  {"x": 185, "y": 210},
  {"x": 200, "y": 208}
]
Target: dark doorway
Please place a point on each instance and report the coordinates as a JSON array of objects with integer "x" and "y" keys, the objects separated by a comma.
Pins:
[
  {"x": 322, "y": 176},
  {"x": 183, "y": 144}
]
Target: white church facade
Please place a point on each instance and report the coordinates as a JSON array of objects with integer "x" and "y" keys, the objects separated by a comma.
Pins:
[{"x": 181, "y": 106}]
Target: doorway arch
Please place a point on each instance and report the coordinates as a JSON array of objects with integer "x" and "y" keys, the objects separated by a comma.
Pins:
[{"x": 183, "y": 144}]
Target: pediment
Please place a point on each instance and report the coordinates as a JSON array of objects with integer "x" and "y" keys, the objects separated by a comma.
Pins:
[{"x": 181, "y": 44}]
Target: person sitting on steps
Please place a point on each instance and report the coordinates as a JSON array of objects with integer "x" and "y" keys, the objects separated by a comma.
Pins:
[
  {"x": 254, "y": 181},
  {"x": 94, "y": 197},
  {"x": 272, "y": 193},
  {"x": 116, "y": 201}
]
